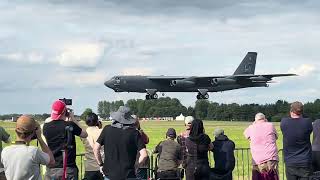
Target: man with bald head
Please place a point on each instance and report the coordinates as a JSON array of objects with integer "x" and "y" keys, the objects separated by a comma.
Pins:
[{"x": 263, "y": 136}]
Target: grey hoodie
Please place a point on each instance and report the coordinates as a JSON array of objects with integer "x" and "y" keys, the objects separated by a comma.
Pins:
[{"x": 316, "y": 135}]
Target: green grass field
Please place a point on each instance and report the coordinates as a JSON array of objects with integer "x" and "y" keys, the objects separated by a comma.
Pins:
[{"x": 156, "y": 131}]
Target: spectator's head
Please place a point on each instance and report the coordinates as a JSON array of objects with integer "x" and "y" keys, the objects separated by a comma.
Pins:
[
  {"x": 218, "y": 132},
  {"x": 59, "y": 110},
  {"x": 171, "y": 133},
  {"x": 196, "y": 128},
  {"x": 188, "y": 121},
  {"x": 137, "y": 123},
  {"x": 123, "y": 116},
  {"x": 296, "y": 109},
  {"x": 92, "y": 119},
  {"x": 260, "y": 117},
  {"x": 26, "y": 128}
]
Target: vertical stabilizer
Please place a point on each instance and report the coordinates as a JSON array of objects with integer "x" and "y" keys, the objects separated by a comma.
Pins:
[{"x": 248, "y": 64}]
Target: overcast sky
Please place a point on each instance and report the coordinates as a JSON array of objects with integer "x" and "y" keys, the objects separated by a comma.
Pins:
[{"x": 54, "y": 49}]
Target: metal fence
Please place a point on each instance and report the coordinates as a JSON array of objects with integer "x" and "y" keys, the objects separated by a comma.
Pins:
[
  {"x": 242, "y": 171},
  {"x": 243, "y": 168}
]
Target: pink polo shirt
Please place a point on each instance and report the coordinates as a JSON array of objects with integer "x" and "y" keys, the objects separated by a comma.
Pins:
[{"x": 263, "y": 137}]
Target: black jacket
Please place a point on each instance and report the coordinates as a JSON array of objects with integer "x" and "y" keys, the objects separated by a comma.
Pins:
[{"x": 223, "y": 154}]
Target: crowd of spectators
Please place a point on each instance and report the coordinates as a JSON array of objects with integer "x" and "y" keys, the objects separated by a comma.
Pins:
[{"x": 118, "y": 151}]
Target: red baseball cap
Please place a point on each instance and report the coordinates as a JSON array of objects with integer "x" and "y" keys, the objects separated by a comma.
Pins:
[{"x": 58, "y": 109}]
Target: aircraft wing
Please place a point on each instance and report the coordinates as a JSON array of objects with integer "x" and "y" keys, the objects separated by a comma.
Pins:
[
  {"x": 261, "y": 78},
  {"x": 206, "y": 79},
  {"x": 263, "y": 75},
  {"x": 253, "y": 77},
  {"x": 166, "y": 77}
]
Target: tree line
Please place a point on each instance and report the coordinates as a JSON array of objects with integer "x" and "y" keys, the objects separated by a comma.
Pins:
[{"x": 204, "y": 109}]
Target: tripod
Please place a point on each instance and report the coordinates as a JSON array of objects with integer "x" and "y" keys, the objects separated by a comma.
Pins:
[{"x": 68, "y": 145}]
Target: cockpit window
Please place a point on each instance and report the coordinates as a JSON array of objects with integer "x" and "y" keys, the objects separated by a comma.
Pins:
[{"x": 117, "y": 80}]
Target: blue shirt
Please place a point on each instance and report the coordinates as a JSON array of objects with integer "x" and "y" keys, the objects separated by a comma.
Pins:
[{"x": 296, "y": 141}]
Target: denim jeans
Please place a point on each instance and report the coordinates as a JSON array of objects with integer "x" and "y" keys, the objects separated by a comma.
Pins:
[{"x": 298, "y": 173}]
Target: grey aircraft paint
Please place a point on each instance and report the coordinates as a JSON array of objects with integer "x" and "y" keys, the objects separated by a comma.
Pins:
[{"x": 243, "y": 77}]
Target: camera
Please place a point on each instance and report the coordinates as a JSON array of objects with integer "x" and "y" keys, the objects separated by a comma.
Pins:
[
  {"x": 34, "y": 135},
  {"x": 68, "y": 102}
]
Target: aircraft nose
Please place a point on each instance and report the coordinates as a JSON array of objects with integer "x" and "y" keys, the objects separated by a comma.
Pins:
[{"x": 108, "y": 83}]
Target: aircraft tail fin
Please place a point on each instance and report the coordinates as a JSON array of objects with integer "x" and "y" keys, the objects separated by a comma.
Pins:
[{"x": 248, "y": 64}]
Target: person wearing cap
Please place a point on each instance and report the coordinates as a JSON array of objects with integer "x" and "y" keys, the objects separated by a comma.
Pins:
[
  {"x": 92, "y": 168},
  {"x": 57, "y": 136},
  {"x": 223, "y": 154},
  {"x": 169, "y": 156},
  {"x": 122, "y": 142},
  {"x": 263, "y": 145},
  {"x": 297, "y": 148},
  {"x": 5, "y": 137},
  {"x": 22, "y": 161},
  {"x": 182, "y": 138}
]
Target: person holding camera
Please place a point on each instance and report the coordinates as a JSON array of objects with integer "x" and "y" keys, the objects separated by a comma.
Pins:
[
  {"x": 22, "y": 161},
  {"x": 60, "y": 134}
]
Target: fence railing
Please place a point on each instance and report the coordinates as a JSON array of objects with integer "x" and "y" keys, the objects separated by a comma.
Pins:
[
  {"x": 242, "y": 171},
  {"x": 243, "y": 168}
]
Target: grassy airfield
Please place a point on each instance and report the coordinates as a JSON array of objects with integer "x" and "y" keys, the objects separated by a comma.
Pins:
[{"x": 156, "y": 131}]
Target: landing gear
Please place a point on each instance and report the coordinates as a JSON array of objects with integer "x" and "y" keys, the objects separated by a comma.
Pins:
[
  {"x": 153, "y": 96},
  {"x": 205, "y": 96}
]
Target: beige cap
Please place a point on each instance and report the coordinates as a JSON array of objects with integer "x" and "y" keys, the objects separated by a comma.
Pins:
[
  {"x": 188, "y": 120},
  {"x": 217, "y": 132},
  {"x": 26, "y": 124}
]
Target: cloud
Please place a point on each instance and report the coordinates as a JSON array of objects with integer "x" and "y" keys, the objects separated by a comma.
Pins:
[
  {"x": 137, "y": 71},
  {"x": 30, "y": 57},
  {"x": 72, "y": 79},
  {"x": 303, "y": 70},
  {"x": 81, "y": 55},
  {"x": 53, "y": 52}
]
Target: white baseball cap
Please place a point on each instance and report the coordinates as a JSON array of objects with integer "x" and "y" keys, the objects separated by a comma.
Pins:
[{"x": 188, "y": 120}]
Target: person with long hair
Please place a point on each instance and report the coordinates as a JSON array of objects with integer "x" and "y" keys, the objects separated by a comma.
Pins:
[
  {"x": 198, "y": 144},
  {"x": 92, "y": 168}
]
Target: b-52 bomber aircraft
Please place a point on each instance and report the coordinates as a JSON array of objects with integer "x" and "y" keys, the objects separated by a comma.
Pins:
[{"x": 243, "y": 77}]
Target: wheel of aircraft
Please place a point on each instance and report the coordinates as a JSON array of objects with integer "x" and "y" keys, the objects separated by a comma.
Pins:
[
  {"x": 200, "y": 96},
  {"x": 155, "y": 96},
  {"x": 148, "y": 96}
]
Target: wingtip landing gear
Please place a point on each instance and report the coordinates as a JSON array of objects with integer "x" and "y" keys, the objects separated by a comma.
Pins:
[
  {"x": 205, "y": 96},
  {"x": 149, "y": 96}
]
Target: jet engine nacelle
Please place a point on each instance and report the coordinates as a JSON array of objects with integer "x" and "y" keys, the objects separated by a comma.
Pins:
[
  {"x": 260, "y": 79},
  {"x": 182, "y": 83},
  {"x": 222, "y": 81}
]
